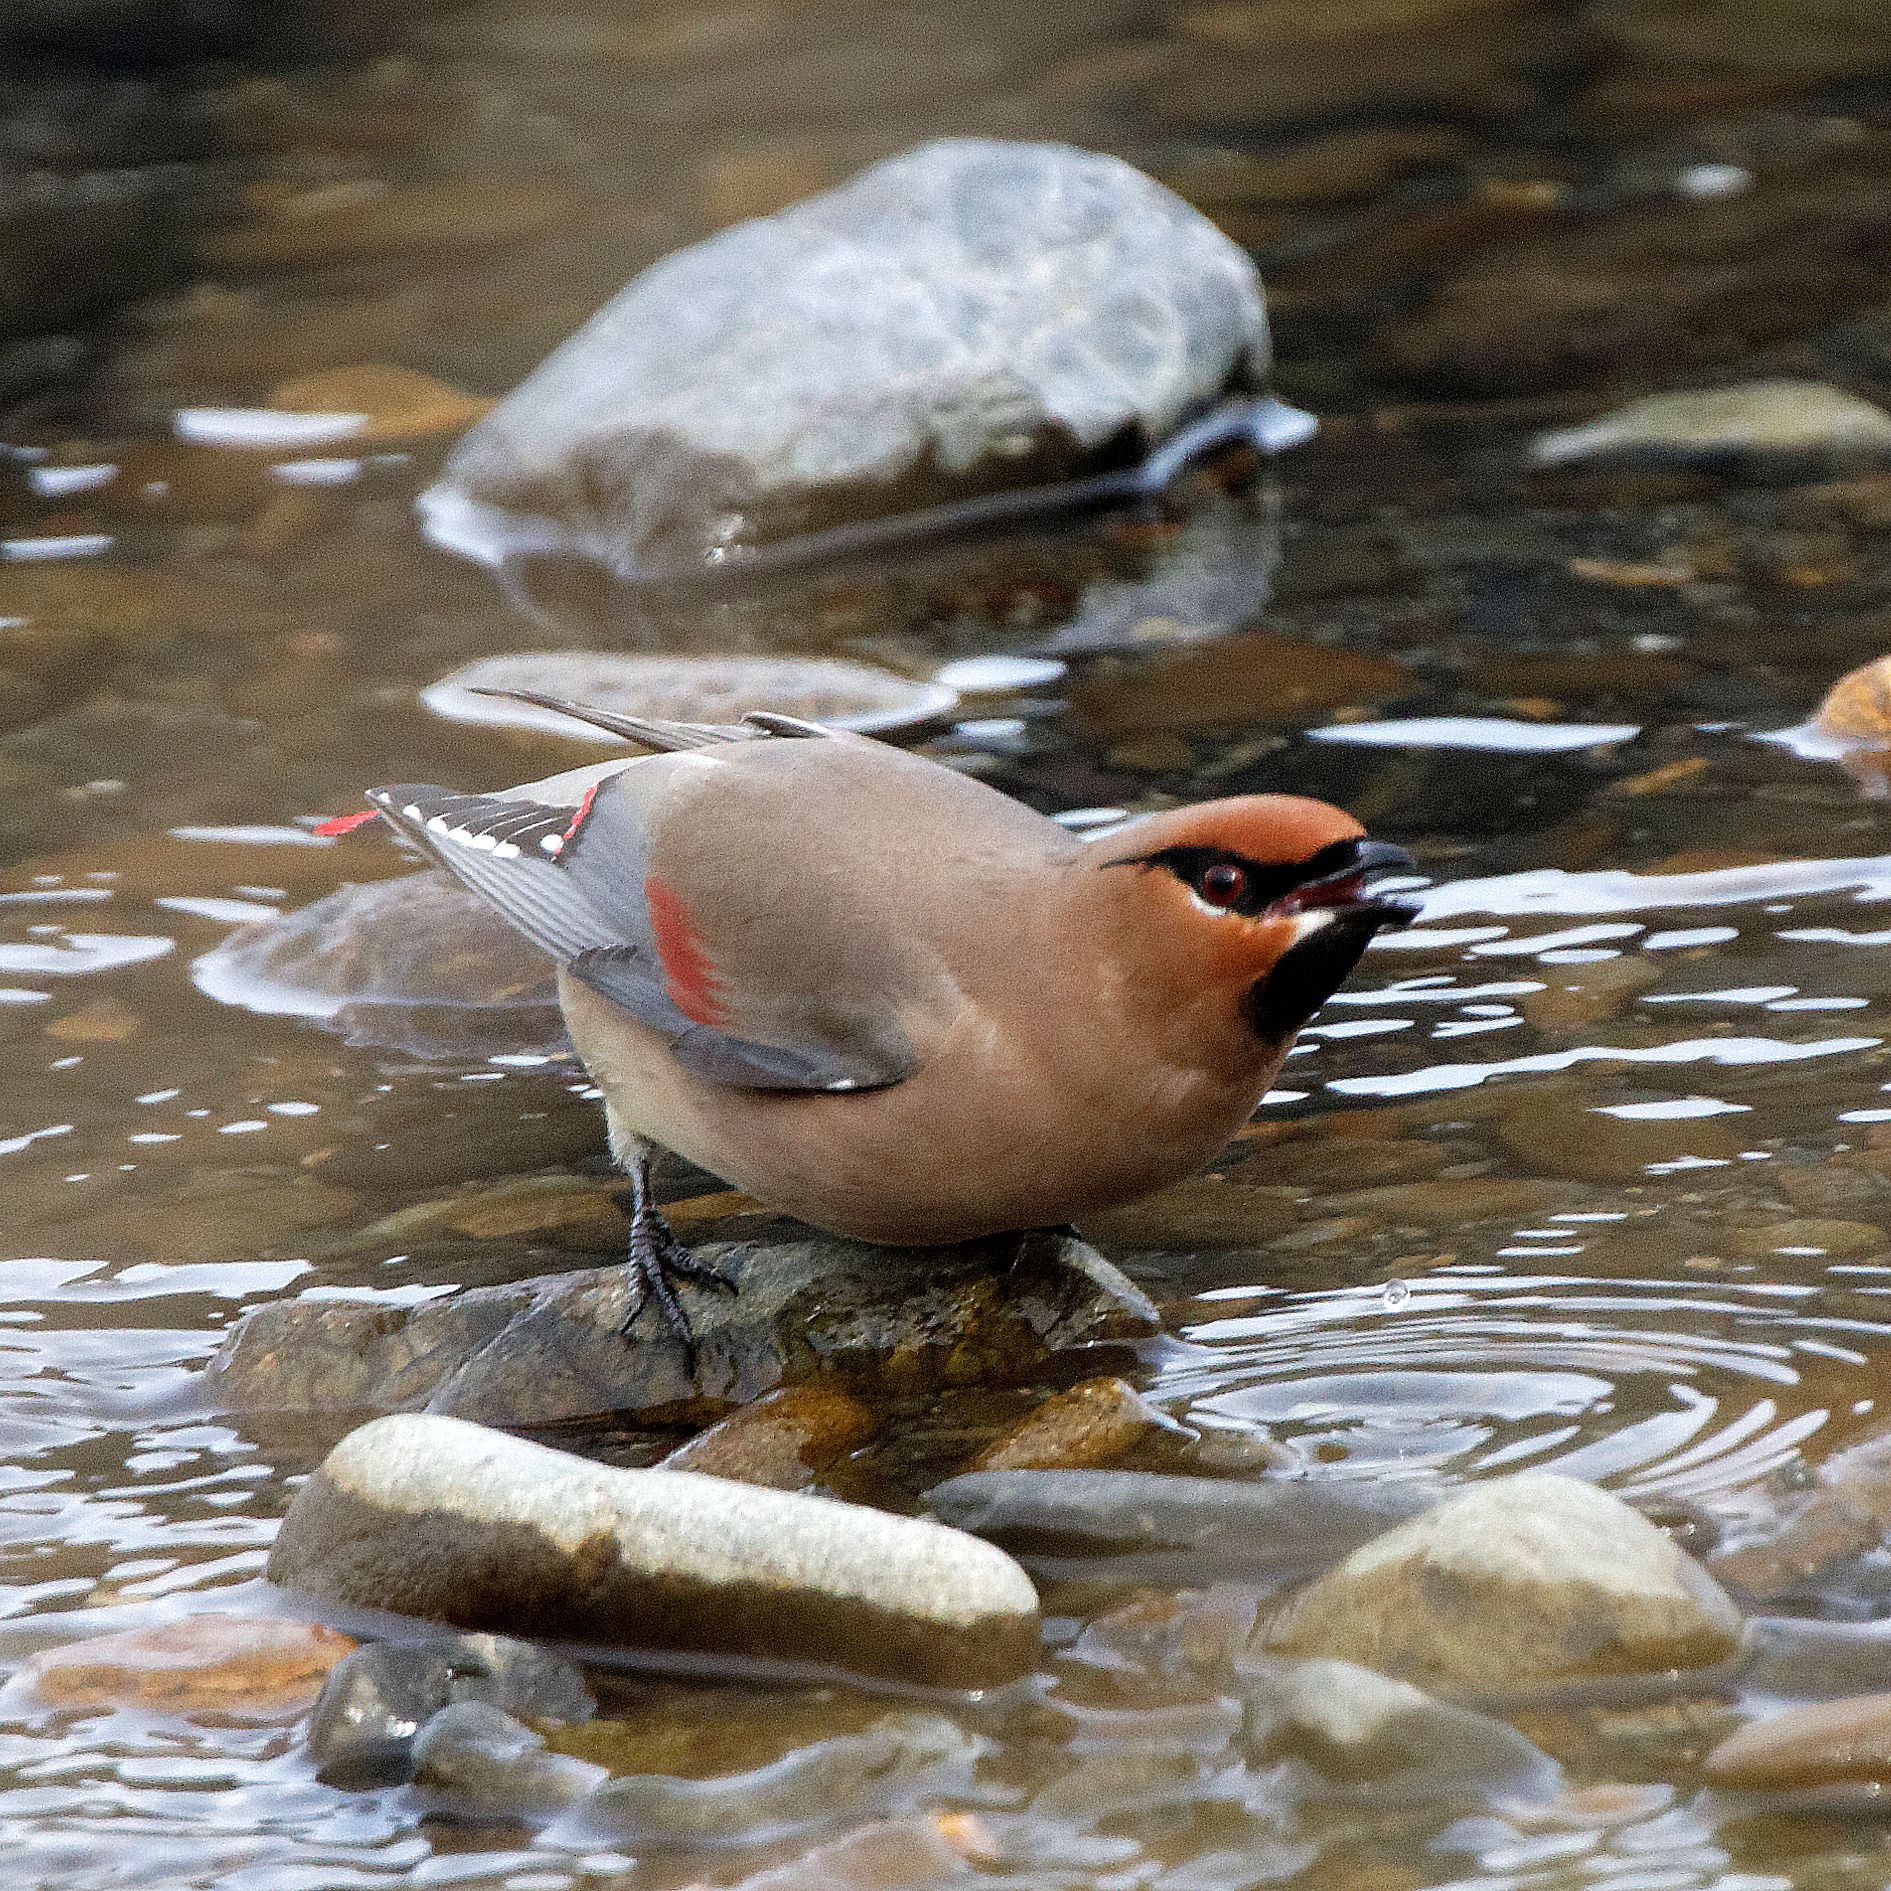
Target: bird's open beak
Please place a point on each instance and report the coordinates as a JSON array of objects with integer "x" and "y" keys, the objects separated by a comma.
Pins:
[{"x": 1345, "y": 890}]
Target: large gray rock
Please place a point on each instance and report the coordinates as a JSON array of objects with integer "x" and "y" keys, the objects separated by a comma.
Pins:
[
  {"x": 1516, "y": 1582},
  {"x": 550, "y": 1349},
  {"x": 973, "y": 315},
  {"x": 452, "y": 1522}
]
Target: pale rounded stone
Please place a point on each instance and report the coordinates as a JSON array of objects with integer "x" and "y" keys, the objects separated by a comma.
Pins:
[
  {"x": 449, "y": 1521},
  {"x": 1515, "y": 1582},
  {"x": 1757, "y": 419}
]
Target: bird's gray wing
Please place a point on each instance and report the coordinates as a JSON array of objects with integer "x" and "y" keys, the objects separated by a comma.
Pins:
[{"x": 576, "y": 882}]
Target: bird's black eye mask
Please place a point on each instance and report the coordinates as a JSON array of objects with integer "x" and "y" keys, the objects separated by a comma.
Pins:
[{"x": 1233, "y": 883}]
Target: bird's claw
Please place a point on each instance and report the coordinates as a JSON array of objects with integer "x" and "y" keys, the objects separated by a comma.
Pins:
[{"x": 656, "y": 1259}]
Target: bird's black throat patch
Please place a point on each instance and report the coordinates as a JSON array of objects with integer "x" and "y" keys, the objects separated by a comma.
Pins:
[{"x": 1309, "y": 972}]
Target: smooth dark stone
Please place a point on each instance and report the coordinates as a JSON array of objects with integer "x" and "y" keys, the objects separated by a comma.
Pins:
[
  {"x": 1199, "y": 1527},
  {"x": 380, "y": 1697},
  {"x": 374, "y": 1705}
]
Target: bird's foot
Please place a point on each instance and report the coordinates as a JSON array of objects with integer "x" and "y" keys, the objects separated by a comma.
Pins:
[{"x": 658, "y": 1259}]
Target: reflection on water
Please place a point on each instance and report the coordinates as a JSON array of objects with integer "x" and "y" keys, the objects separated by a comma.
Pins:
[{"x": 1591, "y": 1169}]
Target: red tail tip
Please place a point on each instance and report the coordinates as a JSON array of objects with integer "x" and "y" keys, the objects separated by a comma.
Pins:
[{"x": 347, "y": 823}]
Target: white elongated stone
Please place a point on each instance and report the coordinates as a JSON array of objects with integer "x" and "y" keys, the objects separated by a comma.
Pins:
[{"x": 454, "y": 1522}]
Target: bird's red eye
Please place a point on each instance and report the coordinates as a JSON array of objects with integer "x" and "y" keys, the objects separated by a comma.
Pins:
[{"x": 1223, "y": 884}]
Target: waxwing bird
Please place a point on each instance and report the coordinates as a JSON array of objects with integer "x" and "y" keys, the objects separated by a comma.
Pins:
[{"x": 885, "y": 998}]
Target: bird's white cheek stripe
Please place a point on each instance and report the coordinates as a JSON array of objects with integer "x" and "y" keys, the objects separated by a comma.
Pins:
[{"x": 1305, "y": 925}]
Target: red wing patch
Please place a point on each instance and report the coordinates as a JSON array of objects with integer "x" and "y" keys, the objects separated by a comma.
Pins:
[
  {"x": 347, "y": 823},
  {"x": 689, "y": 973},
  {"x": 578, "y": 820}
]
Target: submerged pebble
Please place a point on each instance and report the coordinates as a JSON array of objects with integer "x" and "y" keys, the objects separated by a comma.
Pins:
[
  {"x": 452, "y": 1522},
  {"x": 416, "y": 963},
  {"x": 1821, "y": 1744},
  {"x": 887, "y": 1855},
  {"x": 226, "y": 1666},
  {"x": 886, "y": 1767},
  {"x": 376, "y": 1702},
  {"x": 495, "y": 1766},
  {"x": 1511, "y": 1583},
  {"x": 785, "y": 1440},
  {"x": 383, "y": 406},
  {"x": 1393, "y": 1741},
  {"x": 1091, "y": 1425}
]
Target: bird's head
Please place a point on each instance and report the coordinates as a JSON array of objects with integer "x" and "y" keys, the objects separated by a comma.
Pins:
[{"x": 1258, "y": 905}]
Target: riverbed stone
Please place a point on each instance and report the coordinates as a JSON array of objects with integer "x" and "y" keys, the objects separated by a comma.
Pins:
[
  {"x": 1822, "y": 1744},
  {"x": 1093, "y": 1424},
  {"x": 785, "y": 1440},
  {"x": 1516, "y": 1582},
  {"x": 550, "y": 1349},
  {"x": 1798, "y": 425},
  {"x": 974, "y": 314},
  {"x": 1236, "y": 682},
  {"x": 884, "y": 1767},
  {"x": 447, "y": 1521},
  {"x": 492, "y": 1765},
  {"x": 682, "y": 687},
  {"x": 229, "y": 1667},
  {"x": 377, "y": 1700},
  {"x": 373, "y": 1705},
  {"x": 1363, "y": 1729},
  {"x": 388, "y": 406},
  {"x": 1845, "y": 1514},
  {"x": 1662, "y": 286},
  {"x": 1272, "y": 1529},
  {"x": 1257, "y": 63}
]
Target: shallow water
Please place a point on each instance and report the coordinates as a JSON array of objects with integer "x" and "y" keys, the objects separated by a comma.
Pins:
[{"x": 1590, "y": 1170}]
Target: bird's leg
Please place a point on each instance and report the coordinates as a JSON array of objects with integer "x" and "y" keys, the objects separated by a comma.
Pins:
[
  {"x": 1031, "y": 1242},
  {"x": 657, "y": 1257}
]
